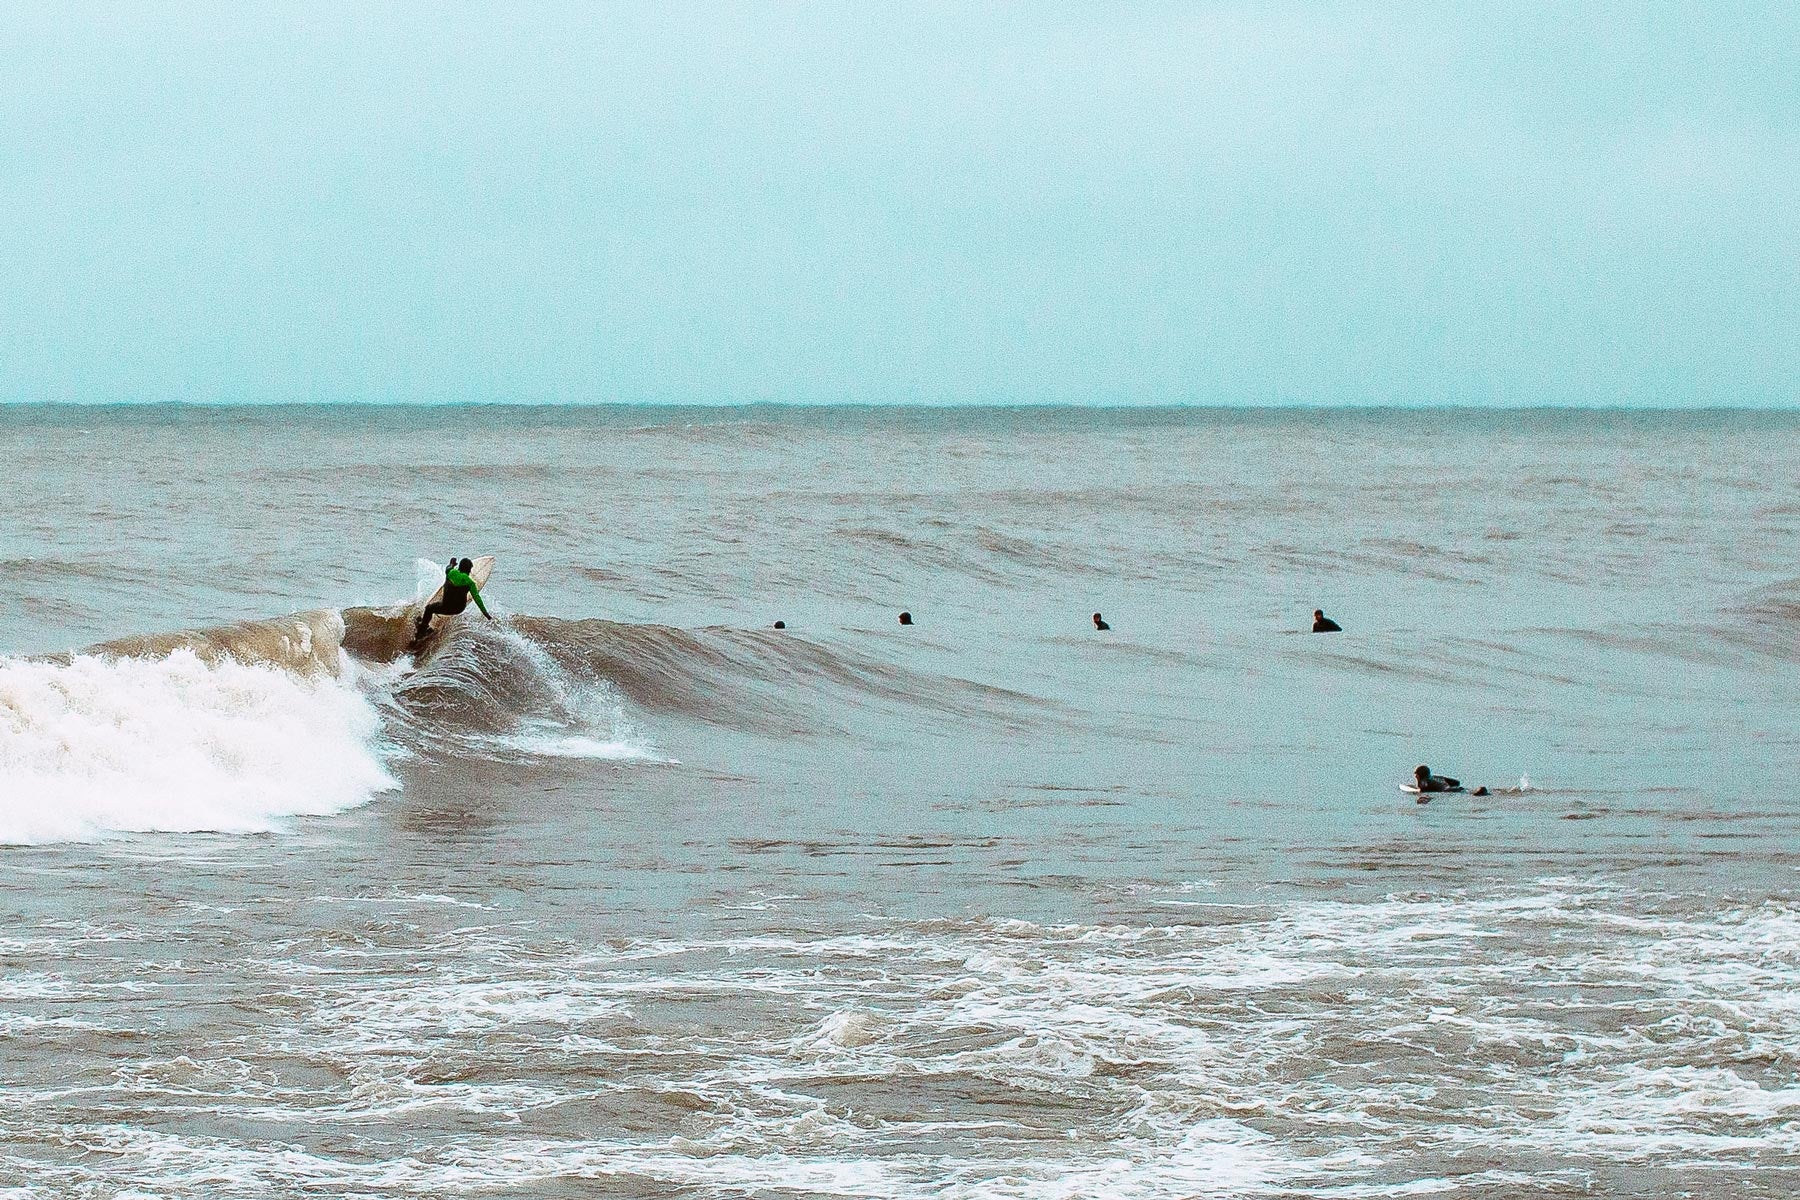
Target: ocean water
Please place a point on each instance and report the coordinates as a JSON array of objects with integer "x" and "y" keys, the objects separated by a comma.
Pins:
[{"x": 628, "y": 893}]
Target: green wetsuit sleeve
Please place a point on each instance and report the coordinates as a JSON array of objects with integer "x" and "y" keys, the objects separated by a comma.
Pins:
[{"x": 476, "y": 592}]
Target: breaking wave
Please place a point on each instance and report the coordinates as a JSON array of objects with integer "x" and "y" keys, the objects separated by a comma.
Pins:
[
  {"x": 240, "y": 728},
  {"x": 177, "y": 743},
  {"x": 493, "y": 692},
  {"x": 574, "y": 671},
  {"x": 759, "y": 679}
]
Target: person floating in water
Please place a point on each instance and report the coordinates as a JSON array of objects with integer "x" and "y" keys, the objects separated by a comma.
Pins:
[
  {"x": 1100, "y": 624},
  {"x": 458, "y": 587},
  {"x": 1324, "y": 624},
  {"x": 906, "y": 618},
  {"x": 1427, "y": 782}
]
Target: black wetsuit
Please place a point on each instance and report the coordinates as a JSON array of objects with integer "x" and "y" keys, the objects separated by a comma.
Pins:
[{"x": 457, "y": 587}]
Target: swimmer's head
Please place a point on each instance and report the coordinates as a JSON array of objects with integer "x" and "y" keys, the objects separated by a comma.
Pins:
[
  {"x": 465, "y": 566},
  {"x": 906, "y": 618}
]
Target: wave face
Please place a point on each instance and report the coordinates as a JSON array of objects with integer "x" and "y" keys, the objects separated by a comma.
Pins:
[
  {"x": 178, "y": 742},
  {"x": 491, "y": 691},
  {"x": 761, "y": 680},
  {"x": 240, "y": 727},
  {"x": 307, "y": 642}
]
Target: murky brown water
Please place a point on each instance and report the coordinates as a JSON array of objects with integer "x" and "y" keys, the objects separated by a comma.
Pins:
[{"x": 631, "y": 894}]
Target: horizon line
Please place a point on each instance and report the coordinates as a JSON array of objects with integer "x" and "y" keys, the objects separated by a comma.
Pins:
[{"x": 917, "y": 406}]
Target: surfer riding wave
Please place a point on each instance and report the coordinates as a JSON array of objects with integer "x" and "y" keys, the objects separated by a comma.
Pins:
[{"x": 458, "y": 587}]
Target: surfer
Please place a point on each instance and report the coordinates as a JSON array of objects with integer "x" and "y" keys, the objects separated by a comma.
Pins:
[
  {"x": 1324, "y": 624},
  {"x": 1427, "y": 782},
  {"x": 1100, "y": 623},
  {"x": 906, "y": 618},
  {"x": 458, "y": 587}
]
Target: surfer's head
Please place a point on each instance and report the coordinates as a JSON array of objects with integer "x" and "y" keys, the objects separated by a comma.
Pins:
[
  {"x": 1318, "y": 614},
  {"x": 906, "y": 618},
  {"x": 1421, "y": 773},
  {"x": 781, "y": 624},
  {"x": 465, "y": 566}
]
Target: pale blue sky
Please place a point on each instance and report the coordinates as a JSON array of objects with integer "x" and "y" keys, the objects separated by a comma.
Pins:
[{"x": 1108, "y": 202}]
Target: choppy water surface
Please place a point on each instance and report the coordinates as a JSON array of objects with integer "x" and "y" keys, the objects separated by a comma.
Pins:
[{"x": 631, "y": 894}]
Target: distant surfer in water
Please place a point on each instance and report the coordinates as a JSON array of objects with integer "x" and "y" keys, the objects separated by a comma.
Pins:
[
  {"x": 906, "y": 618},
  {"x": 1427, "y": 782},
  {"x": 458, "y": 587},
  {"x": 1324, "y": 624},
  {"x": 1100, "y": 623}
]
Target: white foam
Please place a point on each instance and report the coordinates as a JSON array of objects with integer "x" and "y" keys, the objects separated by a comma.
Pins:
[
  {"x": 848, "y": 1029},
  {"x": 589, "y": 721},
  {"x": 1393, "y": 1038},
  {"x": 551, "y": 745},
  {"x": 427, "y": 575},
  {"x": 100, "y": 745}
]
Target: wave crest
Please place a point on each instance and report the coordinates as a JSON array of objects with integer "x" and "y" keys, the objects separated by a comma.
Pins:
[
  {"x": 177, "y": 743},
  {"x": 305, "y": 642}
]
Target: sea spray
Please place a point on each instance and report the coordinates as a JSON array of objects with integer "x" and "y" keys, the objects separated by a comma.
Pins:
[
  {"x": 98, "y": 745},
  {"x": 493, "y": 692}
]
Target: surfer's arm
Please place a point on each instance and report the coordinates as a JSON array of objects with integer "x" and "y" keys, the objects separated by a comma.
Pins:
[{"x": 476, "y": 593}]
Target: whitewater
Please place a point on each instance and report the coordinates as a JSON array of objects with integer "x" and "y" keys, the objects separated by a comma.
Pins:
[{"x": 630, "y": 892}]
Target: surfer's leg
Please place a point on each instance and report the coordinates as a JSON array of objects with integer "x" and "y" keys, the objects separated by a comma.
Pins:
[{"x": 431, "y": 610}]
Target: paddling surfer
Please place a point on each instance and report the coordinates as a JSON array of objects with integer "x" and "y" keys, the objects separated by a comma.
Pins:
[{"x": 1427, "y": 783}]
